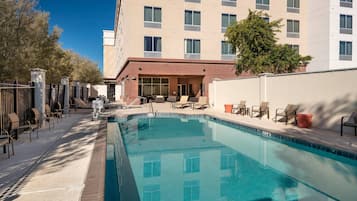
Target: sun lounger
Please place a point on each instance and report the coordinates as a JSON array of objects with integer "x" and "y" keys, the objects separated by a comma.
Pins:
[
  {"x": 288, "y": 113},
  {"x": 172, "y": 99},
  {"x": 202, "y": 103},
  {"x": 351, "y": 122},
  {"x": 262, "y": 109},
  {"x": 81, "y": 104},
  {"x": 159, "y": 99},
  {"x": 182, "y": 103}
]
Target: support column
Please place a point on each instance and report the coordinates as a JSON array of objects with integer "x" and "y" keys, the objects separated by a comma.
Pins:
[
  {"x": 263, "y": 94},
  {"x": 65, "y": 83},
  {"x": 77, "y": 85},
  {"x": 38, "y": 77}
]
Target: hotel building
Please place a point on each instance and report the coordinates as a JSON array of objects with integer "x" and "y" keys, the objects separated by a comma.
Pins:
[{"x": 161, "y": 47}]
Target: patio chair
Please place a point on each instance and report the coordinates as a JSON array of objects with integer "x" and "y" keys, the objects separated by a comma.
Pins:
[
  {"x": 14, "y": 126},
  {"x": 351, "y": 122},
  {"x": 49, "y": 116},
  {"x": 202, "y": 103},
  {"x": 59, "y": 109},
  {"x": 171, "y": 99},
  {"x": 261, "y": 109},
  {"x": 182, "y": 103},
  {"x": 240, "y": 108},
  {"x": 49, "y": 112},
  {"x": 72, "y": 104},
  {"x": 48, "y": 119},
  {"x": 288, "y": 113},
  {"x": 5, "y": 140}
]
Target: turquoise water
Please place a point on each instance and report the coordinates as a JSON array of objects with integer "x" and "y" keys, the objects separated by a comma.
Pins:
[{"x": 192, "y": 158}]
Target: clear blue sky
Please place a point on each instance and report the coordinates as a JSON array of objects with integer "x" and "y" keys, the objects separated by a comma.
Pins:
[{"x": 82, "y": 22}]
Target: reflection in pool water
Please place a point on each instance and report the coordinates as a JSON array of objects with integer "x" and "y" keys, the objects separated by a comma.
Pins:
[{"x": 200, "y": 159}]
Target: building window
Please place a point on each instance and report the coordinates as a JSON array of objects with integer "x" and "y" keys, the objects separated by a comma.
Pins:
[
  {"x": 152, "y": 17},
  {"x": 346, "y": 24},
  {"x": 192, "y": 49},
  {"x": 151, "y": 193},
  {"x": 293, "y": 6},
  {"x": 229, "y": 3},
  {"x": 149, "y": 86},
  {"x": 191, "y": 162},
  {"x": 293, "y": 28},
  {"x": 228, "y": 52},
  {"x": 227, "y": 20},
  {"x": 262, "y": 4},
  {"x": 152, "y": 168},
  {"x": 346, "y": 50},
  {"x": 294, "y": 47},
  {"x": 192, "y": 20},
  {"x": 152, "y": 46},
  {"x": 346, "y": 3},
  {"x": 191, "y": 191},
  {"x": 227, "y": 160}
]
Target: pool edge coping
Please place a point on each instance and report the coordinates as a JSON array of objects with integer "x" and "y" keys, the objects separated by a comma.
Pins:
[{"x": 94, "y": 185}]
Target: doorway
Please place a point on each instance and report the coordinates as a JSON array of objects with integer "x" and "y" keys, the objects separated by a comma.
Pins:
[{"x": 182, "y": 90}]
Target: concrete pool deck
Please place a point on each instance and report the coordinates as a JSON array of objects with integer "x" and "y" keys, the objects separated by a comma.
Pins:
[{"x": 55, "y": 166}]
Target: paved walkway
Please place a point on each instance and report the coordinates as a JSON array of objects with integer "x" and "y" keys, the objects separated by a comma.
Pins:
[{"x": 52, "y": 167}]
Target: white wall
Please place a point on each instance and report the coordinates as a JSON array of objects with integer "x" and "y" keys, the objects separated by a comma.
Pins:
[
  {"x": 117, "y": 92},
  {"x": 327, "y": 95},
  {"x": 99, "y": 90},
  {"x": 233, "y": 91}
]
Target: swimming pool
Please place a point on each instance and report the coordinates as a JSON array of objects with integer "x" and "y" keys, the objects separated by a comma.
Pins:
[{"x": 189, "y": 158}]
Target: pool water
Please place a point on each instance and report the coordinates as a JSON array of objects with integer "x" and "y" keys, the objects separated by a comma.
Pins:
[{"x": 199, "y": 158}]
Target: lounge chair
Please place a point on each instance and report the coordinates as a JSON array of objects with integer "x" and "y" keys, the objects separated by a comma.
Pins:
[
  {"x": 182, "y": 103},
  {"x": 351, "y": 122},
  {"x": 288, "y": 113},
  {"x": 5, "y": 140},
  {"x": 171, "y": 99},
  {"x": 202, "y": 103},
  {"x": 262, "y": 109},
  {"x": 15, "y": 125},
  {"x": 159, "y": 99},
  {"x": 81, "y": 104},
  {"x": 240, "y": 108}
]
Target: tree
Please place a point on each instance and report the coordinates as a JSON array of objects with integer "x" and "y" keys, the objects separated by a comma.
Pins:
[
  {"x": 85, "y": 70},
  {"x": 258, "y": 49},
  {"x": 26, "y": 43}
]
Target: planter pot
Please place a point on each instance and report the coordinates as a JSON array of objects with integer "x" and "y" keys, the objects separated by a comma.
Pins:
[
  {"x": 228, "y": 108},
  {"x": 304, "y": 120}
]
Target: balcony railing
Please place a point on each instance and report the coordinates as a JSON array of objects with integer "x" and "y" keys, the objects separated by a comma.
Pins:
[
  {"x": 152, "y": 24},
  {"x": 192, "y": 56},
  {"x": 262, "y": 6},
  {"x": 229, "y": 3}
]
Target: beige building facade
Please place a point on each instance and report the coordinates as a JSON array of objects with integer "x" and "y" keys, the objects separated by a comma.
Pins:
[{"x": 193, "y": 30}]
